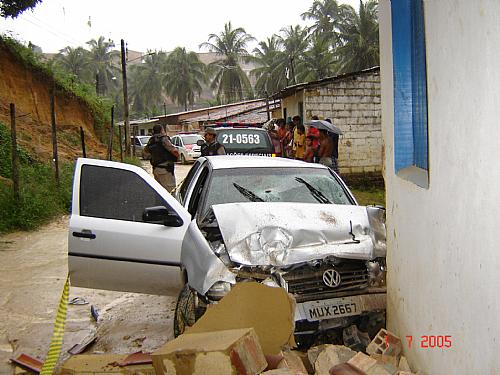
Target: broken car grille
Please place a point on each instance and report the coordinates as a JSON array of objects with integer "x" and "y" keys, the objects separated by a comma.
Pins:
[{"x": 307, "y": 283}]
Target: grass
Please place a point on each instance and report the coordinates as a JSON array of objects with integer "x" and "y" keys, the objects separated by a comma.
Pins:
[
  {"x": 40, "y": 199},
  {"x": 370, "y": 196}
]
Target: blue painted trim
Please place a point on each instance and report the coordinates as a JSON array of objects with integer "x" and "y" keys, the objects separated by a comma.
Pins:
[{"x": 410, "y": 84}]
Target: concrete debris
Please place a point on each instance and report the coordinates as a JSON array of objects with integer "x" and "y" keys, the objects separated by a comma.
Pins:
[
  {"x": 362, "y": 362},
  {"x": 331, "y": 356},
  {"x": 355, "y": 339},
  {"x": 293, "y": 362},
  {"x": 269, "y": 311},
  {"x": 403, "y": 364},
  {"x": 222, "y": 352},
  {"x": 279, "y": 371},
  {"x": 385, "y": 343}
]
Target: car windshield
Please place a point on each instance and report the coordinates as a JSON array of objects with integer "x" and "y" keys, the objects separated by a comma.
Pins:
[
  {"x": 299, "y": 185},
  {"x": 144, "y": 140},
  {"x": 190, "y": 139},
  {"x": 244, "y": 140}
]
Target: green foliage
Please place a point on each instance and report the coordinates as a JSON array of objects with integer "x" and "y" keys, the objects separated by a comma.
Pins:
[
  {"x": 13, "y": 8},
  {"x": 369, "y": 196},
  {"x": 229, "y": 79},
  {"x": 184, "y": 75},
  {"x": 40, "y": 199}
]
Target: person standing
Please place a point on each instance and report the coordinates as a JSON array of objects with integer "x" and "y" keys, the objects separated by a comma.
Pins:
[
  {"x": 281, "y": 135},
  {"x": 310, "y": 150},
  {"x": 288, "y": 140},
  {"x": 325, "y": 148},
  {"x": 300, "y": 142},
  {"x": 335, "y": 149},
  {"x": 296, "y": 123},
  {"x": 212, "y": 147},
  {"x": 163, "y": 157}
]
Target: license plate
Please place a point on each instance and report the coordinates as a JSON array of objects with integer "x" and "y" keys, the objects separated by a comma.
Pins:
[{"x": 331, "y": 308}]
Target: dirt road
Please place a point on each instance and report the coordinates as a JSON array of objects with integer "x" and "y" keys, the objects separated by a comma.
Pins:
[{"x": 33, "y": 269}]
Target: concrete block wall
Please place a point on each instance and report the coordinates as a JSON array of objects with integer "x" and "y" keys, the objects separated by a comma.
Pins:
[{"x": 353, "y": 104}]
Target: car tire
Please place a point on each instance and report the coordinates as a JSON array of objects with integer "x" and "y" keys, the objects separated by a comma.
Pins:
[
  {"x": 183, "y": 159},
  {"x": 188, "y": 310}
]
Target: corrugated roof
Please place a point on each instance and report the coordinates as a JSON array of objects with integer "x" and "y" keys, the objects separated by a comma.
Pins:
[{"x": 290, "y": 90}]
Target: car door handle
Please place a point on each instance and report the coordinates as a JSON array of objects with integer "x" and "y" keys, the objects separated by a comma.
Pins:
[{"x": 84, "y": 234}]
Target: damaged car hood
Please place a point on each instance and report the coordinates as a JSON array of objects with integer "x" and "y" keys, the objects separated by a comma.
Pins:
[{"x": 281, "y": 234}]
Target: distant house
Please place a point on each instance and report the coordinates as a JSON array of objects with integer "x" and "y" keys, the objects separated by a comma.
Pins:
[
  {"x": 440, "y": 110},
  {"x": 250, "y": 112},
  {"x": 352, "y": 101}
]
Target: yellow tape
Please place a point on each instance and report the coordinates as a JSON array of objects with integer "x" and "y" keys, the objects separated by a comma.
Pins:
[{"x": 58, "y": 333}]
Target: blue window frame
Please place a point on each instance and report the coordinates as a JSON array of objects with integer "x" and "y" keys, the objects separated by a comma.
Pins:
[{"x": 410, "y": 87}]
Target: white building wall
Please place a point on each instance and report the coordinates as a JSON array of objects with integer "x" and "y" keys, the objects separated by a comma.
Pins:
[
  {"x": 353, "y": 104},
  {"x": 444, "y": 248}
]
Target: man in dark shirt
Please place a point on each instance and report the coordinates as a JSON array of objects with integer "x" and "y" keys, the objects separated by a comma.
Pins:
[
  {"x": 212, "y": 147},
  {"x": 163, "y": 156}
]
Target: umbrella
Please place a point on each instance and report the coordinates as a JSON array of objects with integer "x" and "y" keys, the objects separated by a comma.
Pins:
[{"x": 321, "y": 124}]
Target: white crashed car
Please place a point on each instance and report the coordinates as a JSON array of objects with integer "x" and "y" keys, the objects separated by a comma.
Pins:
[{"x": 277, "y": 221}]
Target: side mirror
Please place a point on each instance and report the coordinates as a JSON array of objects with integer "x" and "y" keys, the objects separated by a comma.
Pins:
[
  {"x": 200, "y": 142},
  {"x": 161, "y": 215}
]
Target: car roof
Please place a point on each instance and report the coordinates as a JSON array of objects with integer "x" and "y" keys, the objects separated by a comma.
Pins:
[
  {"x": 220, "y": 128},
  {"x": 241, "y": 161}
]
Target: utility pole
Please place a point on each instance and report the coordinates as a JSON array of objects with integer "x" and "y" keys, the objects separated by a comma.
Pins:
[
  {"x": 126, "y": 121},
  {"x": 267, "y": 107}
]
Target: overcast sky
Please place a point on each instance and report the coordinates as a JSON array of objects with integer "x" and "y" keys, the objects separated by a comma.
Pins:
[{"x": 149, "y": 24}]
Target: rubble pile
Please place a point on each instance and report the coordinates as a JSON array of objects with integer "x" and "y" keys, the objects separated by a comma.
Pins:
[{"x": 240, "y": 336}]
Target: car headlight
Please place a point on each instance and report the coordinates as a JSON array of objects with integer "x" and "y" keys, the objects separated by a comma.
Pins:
[
  {"x": 219, "y": 290},
  {"x": 377, "y": 272}
]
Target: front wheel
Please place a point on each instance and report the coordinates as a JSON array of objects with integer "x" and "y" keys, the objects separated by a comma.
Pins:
[
  {"x": 188, "y": 310},
  {"x": 183, "y": 159}
]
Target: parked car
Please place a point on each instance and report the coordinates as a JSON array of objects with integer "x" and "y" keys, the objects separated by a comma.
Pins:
[
  {"x": 281, "y": 222},
  {"x": 245, "y": 141},
  {"x": 186, "y": 144},
  {"x": 140, "y": 141}
]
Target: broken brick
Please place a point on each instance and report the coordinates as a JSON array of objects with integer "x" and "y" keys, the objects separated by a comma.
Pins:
[
  {"x": 332, "y": 355},
  {"x": 221, "y": 352},
  {"x": 293, "y": 362},
  {"x": 385, "y": 343},
  {"x": 386, "y": 359},
  {"x": 403, "y": 364},
  {"x": 362, "y": 362}
]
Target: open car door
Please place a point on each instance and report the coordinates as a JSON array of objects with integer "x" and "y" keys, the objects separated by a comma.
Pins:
[{"x": 125, "y": 230}]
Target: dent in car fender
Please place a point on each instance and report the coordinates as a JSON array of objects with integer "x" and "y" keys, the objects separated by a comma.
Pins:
[{"x": 203, "y": 267}]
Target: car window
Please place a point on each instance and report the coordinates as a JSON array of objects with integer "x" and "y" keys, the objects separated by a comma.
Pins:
[
  {"x": 187, "y": 181},
  {"x": 197, "y": 190},
  {"x": 245, "y": 140},
  {"x": 111, "y": 193},
  {"x": 174, "y": 141},
  {"x": 190, "y": 139},
  {"x": 300, "y": 185}
]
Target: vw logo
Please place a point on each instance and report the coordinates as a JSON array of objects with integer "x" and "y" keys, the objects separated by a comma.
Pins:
[{"x": 331, "y": 278}]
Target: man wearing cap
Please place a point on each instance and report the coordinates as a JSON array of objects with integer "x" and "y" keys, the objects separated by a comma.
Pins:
[
  {"x": 212, "y": 147},
  {"x": 163, "y": 156}
]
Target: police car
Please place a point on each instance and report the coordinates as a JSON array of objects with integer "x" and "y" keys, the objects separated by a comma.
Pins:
[{"x": 244, "y": 140}]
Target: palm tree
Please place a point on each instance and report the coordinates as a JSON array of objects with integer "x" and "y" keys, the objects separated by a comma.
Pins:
[
  {"x": 146, "y": 83},
  {"x": 318, "y": 61},
  {"x": 270, "y": 78},
  {"x": 102, "y": 60},
  {"x": 360, "y": 40},
  {"x": 327, "y": 16},
  {"x": 229, "y": 79},
  {"x": 74, "y": 61},
  {"x": 295, "y": 41},
  {"x": 184, "y": 75}
]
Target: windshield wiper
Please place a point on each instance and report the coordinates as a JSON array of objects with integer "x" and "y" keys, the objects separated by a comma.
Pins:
[
  {"x": 318, "y": 195},
  {"x": 247, "y": 193}
]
